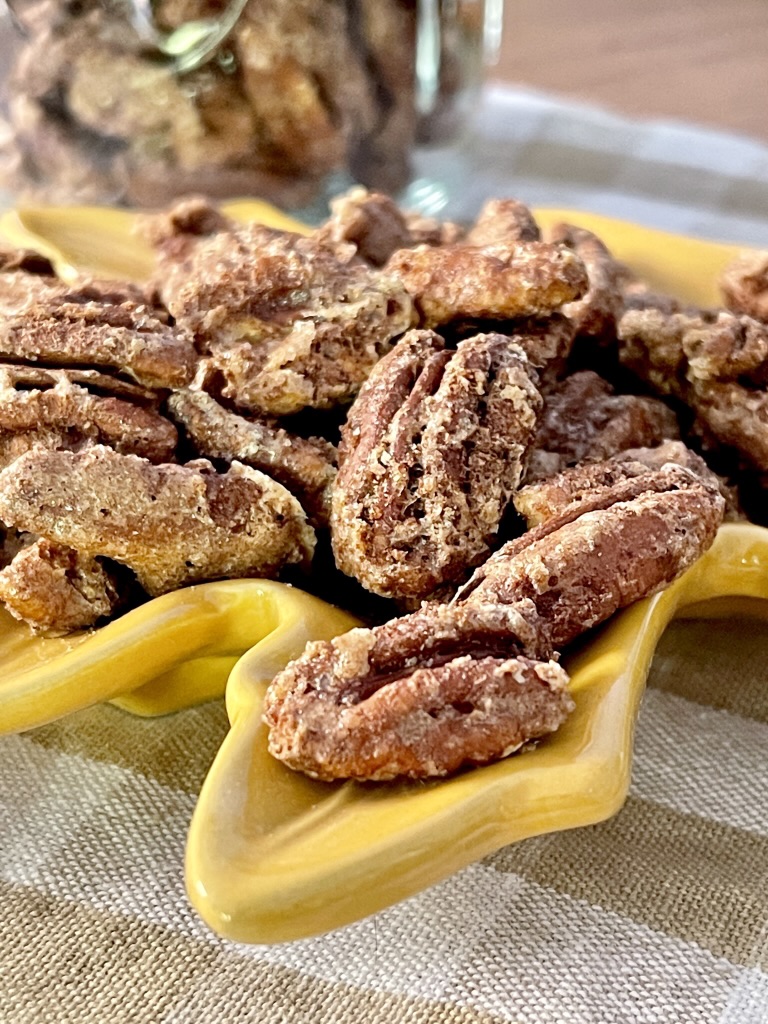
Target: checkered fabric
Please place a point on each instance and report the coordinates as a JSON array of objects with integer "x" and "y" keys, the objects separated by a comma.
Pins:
[{"x": 659, "y": 916}]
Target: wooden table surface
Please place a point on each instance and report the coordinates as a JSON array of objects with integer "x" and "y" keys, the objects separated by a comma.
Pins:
[{"x": 704, "y": 61}]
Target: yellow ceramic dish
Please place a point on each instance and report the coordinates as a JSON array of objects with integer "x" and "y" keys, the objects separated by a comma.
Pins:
[{"x": 273, "y": 855}]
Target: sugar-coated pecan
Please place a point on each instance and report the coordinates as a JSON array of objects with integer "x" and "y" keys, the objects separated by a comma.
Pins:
[
  {"x": 306, "y": 466},
  {"x": 604, "y": 552},
  {"x": 377, "y": 227},
  {"x": 585, "y": 421},
  {"x": 543, "y": 500},
  {"x": 28, "y": 278},
  {"x": 744, "y": 284},
  {"x": 546, "y": 340},
  {"x": 717, "y": 364},
  {"x": 432, "y": 451},
  {"x": 289, "y": 321},
  {"x": 598, "y": 311},
  {"x": 503, "y": 223},
  {"x": 419, "y": 696},
  {"x": 126, "y": 338},
  {"x": 171, "y": 525},
  {"x": 455, "y": 282},
  {"x": 55, "y": 590},
  {"x": 66, "y": 415},
  {"x": 371, "y": 221}
]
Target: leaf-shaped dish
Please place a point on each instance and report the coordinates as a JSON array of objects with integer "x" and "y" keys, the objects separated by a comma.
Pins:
[{"x": 273, "y": 855}]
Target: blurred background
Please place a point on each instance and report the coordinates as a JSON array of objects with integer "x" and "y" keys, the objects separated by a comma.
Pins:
[{"x": 698, "y": 60}]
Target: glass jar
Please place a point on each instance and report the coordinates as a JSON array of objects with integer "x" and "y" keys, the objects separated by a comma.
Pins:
[{"x": 136, "y": 102}]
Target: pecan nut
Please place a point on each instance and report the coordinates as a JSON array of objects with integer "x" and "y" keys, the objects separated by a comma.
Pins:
[
  {"x": 306, "y": 466},
  {"x": 464, "y": 282},
  {"x": 585, "y": 421},
  {"x": 288, "y": 321},
  {"x": 68, "y": 415},
  {"x": 603, "y": 552},
  {"x": 172, "y": 525},
  {"x": 55, "y": 590},
  {"x": 597, "y": 312},
  {"x": 744, "y": 284},
  {"x": 717, "y": 364},
  {"x": 432, "y": 451},
  {"x": 419, "y": 696}
]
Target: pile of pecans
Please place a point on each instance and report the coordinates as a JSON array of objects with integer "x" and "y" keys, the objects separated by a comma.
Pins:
[
  {"x": 299, "y": 90},
  {"x": 482, "y": 426}
]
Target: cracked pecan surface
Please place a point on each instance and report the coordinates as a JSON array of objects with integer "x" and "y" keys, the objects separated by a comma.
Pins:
[
  {"x": 172, "y": 525},
  {"x": 455, "y": 282},
  {"x": 604, "y": 552},
  {"x": 717, "y": 364},
  {"x": 418, "y": 696},
  {"x": 307, "y": 467},
  {"x": 67, "y": 415},
  {"x": 543, "y": 500},
  {"x": 288, "y": 321},
  {"x": 584, "y": 420},
  {"x": 431, "y": 453},
  {"x": 125, "y": 338}
]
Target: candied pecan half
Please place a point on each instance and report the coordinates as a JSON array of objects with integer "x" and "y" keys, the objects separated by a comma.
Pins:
[
  {"x": 419, "y": 696},
  {"x": 744, "y": 284},
  {"x": 126, "y": 338},
  {"x": 455, "y": 282},
  {"x": 66, "y": 415},
  {"x": 431, "y": 453},
  {"x": 371, "y": 221},
  {"x": 55, "y": 590},
  {"x": 288, "y": 321},
  {"x": 307, "y": 467},
  {"x": 604, "y": 552},
  {"x": 717, "y": 364},
  {"x": 171, "y": 525},
  {"x": 598, "y": 311},
  {"x": 585, "y": 421},
  {"x": 503, "y": 222},
  {"x": 541, "y": 501}
]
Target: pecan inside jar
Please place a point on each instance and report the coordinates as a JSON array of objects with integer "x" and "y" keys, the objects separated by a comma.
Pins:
[{"x": 431, "y": 453}]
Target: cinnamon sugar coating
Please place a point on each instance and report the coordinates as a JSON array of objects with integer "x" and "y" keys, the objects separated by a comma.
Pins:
[
  {"x": 123, "y": 337},
  {"x": 603, "y": 553},
  {"x": 55, "y": 590},
  {"x": 405, "y": 698},
  {"x": 419, "y": 696},
  {"x": 172, "y": 525},
  {"x": 584, "y": 420},
  {"x": 288, "y": 321},
  {"x": 307, "y": 467},
  {"x": 455, "y": 282},
  {"x": 431, "y": 453},
  {"x": 744, "y": 284},
  {"x": 717, "y": 364},
  {"x": 68, "y": 416},
  {"x": 543, "y": 500}
]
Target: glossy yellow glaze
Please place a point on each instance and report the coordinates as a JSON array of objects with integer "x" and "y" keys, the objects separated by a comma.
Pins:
[
  {"x": 273, "y": 855},
  {"x": 171, "y": 653}
]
